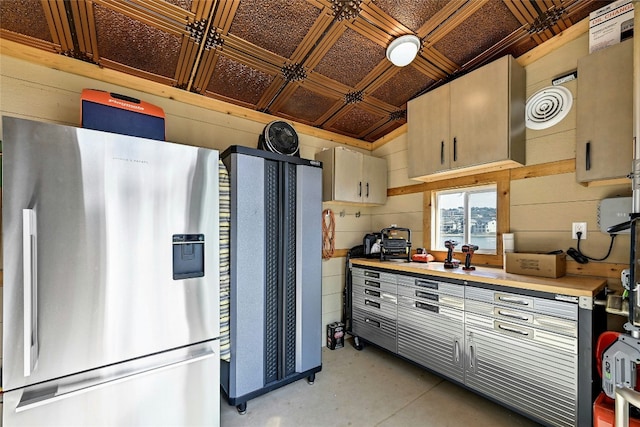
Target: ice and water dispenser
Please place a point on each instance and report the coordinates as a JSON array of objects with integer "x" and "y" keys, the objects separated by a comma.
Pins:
[{"x": 188, "y": 256}]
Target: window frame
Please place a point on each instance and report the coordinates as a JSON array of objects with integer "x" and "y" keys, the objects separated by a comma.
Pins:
[
  {"x": 502, "y": 179},
  {"x": 466, "y": 231}
]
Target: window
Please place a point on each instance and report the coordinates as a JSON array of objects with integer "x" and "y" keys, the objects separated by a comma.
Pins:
[{"x": 466, "y": 216}]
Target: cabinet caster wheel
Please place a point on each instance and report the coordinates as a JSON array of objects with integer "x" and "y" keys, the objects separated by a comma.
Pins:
[
  {"x": 311, "y": 379},
  {"x": 357, "y": 344},
  {"x": 242, "y": 408}
]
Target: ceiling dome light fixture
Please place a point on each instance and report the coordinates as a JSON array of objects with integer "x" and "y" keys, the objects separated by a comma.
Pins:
[{"x": 403, "y": 50}]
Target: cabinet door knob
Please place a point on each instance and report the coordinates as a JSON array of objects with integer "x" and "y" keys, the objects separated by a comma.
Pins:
[
  {"x": 455, "y": 149},
  {"x": 472, "y": 356},
  {"x": 587, "y": 160}
]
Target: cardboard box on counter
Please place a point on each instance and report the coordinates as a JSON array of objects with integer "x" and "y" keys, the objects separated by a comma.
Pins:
[{"x": 533, "y": 264}]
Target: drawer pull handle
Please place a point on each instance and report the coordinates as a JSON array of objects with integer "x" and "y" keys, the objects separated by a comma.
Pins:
[
  {"x": 372, "y": 322},
  {"x": 513, "y": 300},
  {"x": 372, "y": 293},
  {"x": 372, "y": 283},
  {"x": 428, "y": 307},
  {"x": 513, "y": 315},
  {"x": 372, "y": 274},
  {"x": 472, "y": 356},
  {"x": 455, "y": 149},
  {"x": 372, "y": 303},
  {"x": 427, "y": 295},
  {"x": 427, "y": 284},
  {"x": 514, "y": 330}
]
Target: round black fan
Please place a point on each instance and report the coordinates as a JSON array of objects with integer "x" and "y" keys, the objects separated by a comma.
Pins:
[{"x": 279, "y": 137}]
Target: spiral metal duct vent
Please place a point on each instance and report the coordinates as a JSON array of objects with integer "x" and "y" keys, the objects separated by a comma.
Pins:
[{"x": 548, "y": 107}]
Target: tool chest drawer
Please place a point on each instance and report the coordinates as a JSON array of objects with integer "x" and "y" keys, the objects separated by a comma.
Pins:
[
  {"x": 522, "y": 317},
  {"x": 375, "y": 328},
  {"x": 563, "y": 309},
  {"x": 521, "y": 333},
  {"x": 406, "y": 304},
  {"x": 375, "y": 301},
  {"x": 430, "y": 285},
  {"x": 427, "y": 296},
  {"x": 375, "y": 284},
  {"x": 373, "y": 275}
]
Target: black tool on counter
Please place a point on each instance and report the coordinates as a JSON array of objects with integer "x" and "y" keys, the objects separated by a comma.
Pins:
[
  {"x": 468, "y": 250},
  {"x": 395, "y": 246},
  {"x": 450, "y": 262}
]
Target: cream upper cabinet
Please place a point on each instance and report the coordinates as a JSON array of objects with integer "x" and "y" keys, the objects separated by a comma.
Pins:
[
  {"x": 352, "y": 177},
  {"x": 374, "y": 180},
  {"x": 604, "y": 135},
  {"x": 428, "y": 139},
  {"x": 474, "y": 122}
]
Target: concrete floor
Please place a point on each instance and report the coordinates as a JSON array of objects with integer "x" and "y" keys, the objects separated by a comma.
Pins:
[{"x": 371, "y": 388}]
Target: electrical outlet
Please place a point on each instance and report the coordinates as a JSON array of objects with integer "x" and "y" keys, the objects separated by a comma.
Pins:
[{"x": 579, "y": 227}]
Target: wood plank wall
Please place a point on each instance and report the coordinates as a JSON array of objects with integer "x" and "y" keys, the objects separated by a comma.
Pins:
[{"x": 544, "y": 197}]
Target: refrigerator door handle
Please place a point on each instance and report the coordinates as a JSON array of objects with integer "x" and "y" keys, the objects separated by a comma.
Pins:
[
  {"x": 57, "y": 393},
  {"x": 30, "y": 289}
]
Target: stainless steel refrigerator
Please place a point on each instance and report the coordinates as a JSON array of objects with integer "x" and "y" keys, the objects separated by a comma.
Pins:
[{"x": 111, "y": 298}]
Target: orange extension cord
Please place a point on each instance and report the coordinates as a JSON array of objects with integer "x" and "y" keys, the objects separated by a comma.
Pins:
[{"x": 328, "y": 234}]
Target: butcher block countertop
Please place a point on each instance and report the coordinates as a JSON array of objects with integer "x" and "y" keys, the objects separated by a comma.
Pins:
[{"x": 566, "y": 285}]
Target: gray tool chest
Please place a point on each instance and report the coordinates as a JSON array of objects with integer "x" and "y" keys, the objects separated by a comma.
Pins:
[
  {"x": 530, "y": 351},
  {"x": 374, "y": 311}
]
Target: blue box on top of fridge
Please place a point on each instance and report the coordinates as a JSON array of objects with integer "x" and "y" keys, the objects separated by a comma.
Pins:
[{"x": 112, "y": 112}]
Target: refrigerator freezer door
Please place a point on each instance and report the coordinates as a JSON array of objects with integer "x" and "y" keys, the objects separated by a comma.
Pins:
[
  {"x": 183, "y": 390},
  {"x": 101, "y": 213}
]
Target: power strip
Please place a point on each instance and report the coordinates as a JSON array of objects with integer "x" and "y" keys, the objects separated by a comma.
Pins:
[{"x": 577, "y": 256}]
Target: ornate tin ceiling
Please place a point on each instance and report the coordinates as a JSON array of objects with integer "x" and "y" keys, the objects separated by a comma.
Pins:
[{"x": 318, "y": 62}]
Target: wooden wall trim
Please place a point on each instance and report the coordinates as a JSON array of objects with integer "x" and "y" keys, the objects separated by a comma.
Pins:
[
  {"x": 596, "y": 269},
  {"x": 84, "y": 69},
  {"x": 427, "y": 201},
  {"x": 523, "y": 172},
  {"x": 461, "y": 181},
  {"x": 544, "y": 169},
  {"x": 340, "y": 253}
]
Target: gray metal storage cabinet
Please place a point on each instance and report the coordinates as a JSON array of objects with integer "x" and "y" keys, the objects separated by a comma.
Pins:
[{"x": 276, "y": 272}]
